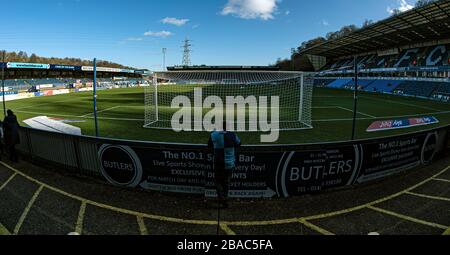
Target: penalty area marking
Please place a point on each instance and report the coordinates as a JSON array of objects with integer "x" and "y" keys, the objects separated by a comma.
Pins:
[
  {"x": 401, "y": 103},
  {"x": 105, "y": 110},
  {"x": 365, "y": 114},
  {"x": 74, "y": 116},
  {"x": 345, "y": 109},
  {"x": 318, "y": 120}
]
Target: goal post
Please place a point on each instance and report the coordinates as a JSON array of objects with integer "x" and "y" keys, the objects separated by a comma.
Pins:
[{"x": 251, "y": 93}]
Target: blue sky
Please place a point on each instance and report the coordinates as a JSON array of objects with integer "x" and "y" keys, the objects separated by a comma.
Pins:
[{"x": 224, "y": 32}]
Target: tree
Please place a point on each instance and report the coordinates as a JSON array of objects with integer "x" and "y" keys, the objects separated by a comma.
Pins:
[
  {"x": 367, "y": 23},
  {"x": 421, "y": 3},
  {"x": 22, "y": 56},
  {"x": 33, "y": 58}
]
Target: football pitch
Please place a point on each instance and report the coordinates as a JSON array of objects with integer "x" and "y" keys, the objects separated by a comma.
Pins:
[{"x": 121, "y": 116}]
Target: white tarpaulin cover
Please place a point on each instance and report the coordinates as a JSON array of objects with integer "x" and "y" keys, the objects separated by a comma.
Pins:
[{"x": 44, "y": 123}]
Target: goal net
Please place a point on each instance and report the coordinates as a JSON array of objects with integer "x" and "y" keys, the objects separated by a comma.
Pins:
[{"x": 243, "y": 96}]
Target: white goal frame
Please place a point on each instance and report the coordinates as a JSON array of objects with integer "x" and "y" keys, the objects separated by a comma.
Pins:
[{"x": 301, "y": 82}]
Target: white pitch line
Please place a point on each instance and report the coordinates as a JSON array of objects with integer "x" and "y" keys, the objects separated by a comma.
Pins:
[
  {"x": 324, "y": 107},
  {"x": 333, "y": 97},
  {"x": 385, "y": 117},
  {"x": 37, "y": 105},
  {"x": 319, "y": 120},
  {"x": 395, "y": 102},
  {"x": 345, "y": 109},
  {"x": 73, "y": 116},
  {"x": 109, "y": 109}
]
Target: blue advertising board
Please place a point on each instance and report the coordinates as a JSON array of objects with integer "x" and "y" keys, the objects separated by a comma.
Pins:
[
  {"x": 66, "y": 67},
  {"x": 27, "y": 65},
  {"x": 126, "y": 71},
  {"x": 9, "y": 93}
]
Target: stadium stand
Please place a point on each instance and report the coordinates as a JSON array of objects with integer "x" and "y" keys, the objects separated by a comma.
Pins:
[
  {"x": 407, "y": 54},
  {"x": 442, "y": 93},
  {"x": 416, "y": 88},
  {"x": 383, "y": 86},
  {"x": 323, "y": 82},
  {"x": 339, "y": 83},
  {"x": 362, "y": 84},
  {"x": 436, "y": 56}
]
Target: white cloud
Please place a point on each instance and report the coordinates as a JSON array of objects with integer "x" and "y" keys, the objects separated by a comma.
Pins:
[
  {"x": 287, "y": 12},
  {"x": 325, "y": 23},
  {"x": 162, "y": 34},
  {"x": 403, "y": 7},
  {"x": 135, "y": 39},
  {"x": 175, "y": 21},
  {"x": 251, "y": 9}
]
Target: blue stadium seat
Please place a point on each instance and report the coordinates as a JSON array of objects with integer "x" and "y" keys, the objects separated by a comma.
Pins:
[
  {"x": 417, "y": 88},
  {"x": 339, "y": 83},
  {"x": 384, "y": 86}
]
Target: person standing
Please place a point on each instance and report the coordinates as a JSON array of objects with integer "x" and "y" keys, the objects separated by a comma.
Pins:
[
  {"x": 11, "y": 134},
  {"x": 1, "y": 139},
  {"x": 224, "y": 144}
]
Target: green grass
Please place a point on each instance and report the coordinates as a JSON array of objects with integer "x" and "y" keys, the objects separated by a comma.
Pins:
[{"x": 124, "y": 113}]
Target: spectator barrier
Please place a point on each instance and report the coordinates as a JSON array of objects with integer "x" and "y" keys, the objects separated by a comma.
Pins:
[{"x": 262, "y": 171}]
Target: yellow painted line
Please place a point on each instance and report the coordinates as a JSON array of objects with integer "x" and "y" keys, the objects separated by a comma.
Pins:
[
  {"x": 213, "y": 222},
  {"x": 315, "y": 228},
  {"x": 112, "y": 208},
  {"x": 153, "y": 217},
  {"x": 447, "y": 232},
  {"x": 227, "y": 229},
  {"x": 27, "y": 210},
  {"x": 356, "y": 208},
  {"x": 8, "y": 181},
  {"x": 80, "y": 218},
  {"x": 441, "y": 180},
  {"x": 408, "y": 218},
  {"x": 429, "y": 197},
  {"x": 260, "y": 223},
  {"x": 142, "y": 227},
  {"x": 4, "y": 231},
  {"x": 337, "y": 213}
]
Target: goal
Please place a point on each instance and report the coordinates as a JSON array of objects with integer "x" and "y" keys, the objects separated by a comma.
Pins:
[{"x": 284, "y": 97}]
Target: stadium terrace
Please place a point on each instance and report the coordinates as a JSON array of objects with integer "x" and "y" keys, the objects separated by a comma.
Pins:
[{"x": 407, "y": 54}]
